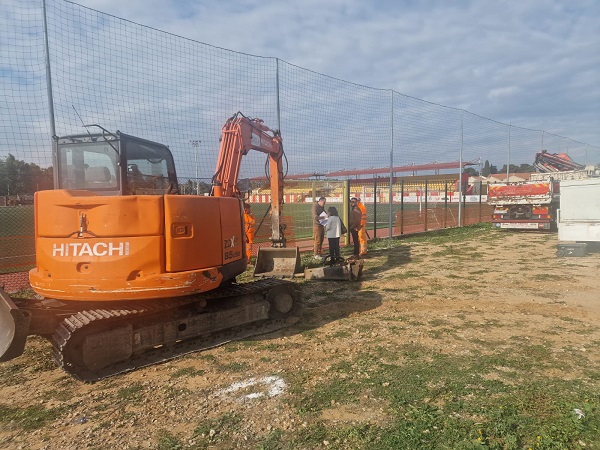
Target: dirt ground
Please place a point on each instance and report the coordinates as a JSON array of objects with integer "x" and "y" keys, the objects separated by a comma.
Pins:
[{"x": 475, "y": 293}]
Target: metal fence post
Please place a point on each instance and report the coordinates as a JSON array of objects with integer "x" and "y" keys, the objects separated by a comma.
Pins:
[
  {"x": 277, "y": 93},
  {"x": 446, "y": 205},
  {"x": 402, "y": 207},
  {"x": 463, "y": 190},
  {"x": 346, "y": 209},
  {"x": 48, "y": 72},
  {"x": 375, "y": 208},
  {"x": 391, "y": 192},
  {"x": 480, "y": 193},
  {"x": 460, "y": 171},
  {"x": 426, "y": 194}
]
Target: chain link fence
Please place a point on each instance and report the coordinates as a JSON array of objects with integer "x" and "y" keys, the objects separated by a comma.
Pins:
[{"x": 101, "y": 69}]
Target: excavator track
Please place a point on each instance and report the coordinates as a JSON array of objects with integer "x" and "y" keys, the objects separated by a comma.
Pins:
[{"x": 96, "y": 343}]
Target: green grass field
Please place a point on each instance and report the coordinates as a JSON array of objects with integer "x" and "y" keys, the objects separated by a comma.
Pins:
[
  {"x": 301, "y": 223},
  {"x": 16, "y": 221},
  {"x": 17, "y": 245}
]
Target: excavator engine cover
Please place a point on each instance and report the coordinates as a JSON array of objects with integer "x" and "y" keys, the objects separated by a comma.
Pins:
[{"x": 277, "y": 262}]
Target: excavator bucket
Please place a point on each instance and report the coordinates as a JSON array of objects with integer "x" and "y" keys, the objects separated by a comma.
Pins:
[
  {"x": 350, "y": 269},
  {"x": 277, "y": 262},
  {"x": 14, "y": 325}
]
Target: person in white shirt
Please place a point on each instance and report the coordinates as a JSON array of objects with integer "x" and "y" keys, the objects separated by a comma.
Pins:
[{"x": 333, "y": 229}]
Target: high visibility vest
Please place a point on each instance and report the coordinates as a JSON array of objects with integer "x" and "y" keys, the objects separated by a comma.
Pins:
[
  {"x": 363, "y": 212},
  {"x": 249, "y": 222}
]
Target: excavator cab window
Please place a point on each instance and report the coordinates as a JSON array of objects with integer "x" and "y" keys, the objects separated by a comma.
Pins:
[
  {"x": 87, "y": 164},
  {"x": 150, "y": 168},
  {"x": 114, "y": 164}
]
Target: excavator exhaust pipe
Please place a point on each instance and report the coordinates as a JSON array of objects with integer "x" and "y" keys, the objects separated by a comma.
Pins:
[
  {"x": 277, "y": 262},
  {"x": 14, "y": 327}
]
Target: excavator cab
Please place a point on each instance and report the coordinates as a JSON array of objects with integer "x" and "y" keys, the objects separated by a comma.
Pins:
[{"x": 114, "y": 164}]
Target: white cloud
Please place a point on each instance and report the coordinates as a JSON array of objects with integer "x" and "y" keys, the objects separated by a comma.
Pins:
[
  {"x": 461, "y": 54},
  {"x": 498, "y": 93},
  {"x": 533, "y": 64}
]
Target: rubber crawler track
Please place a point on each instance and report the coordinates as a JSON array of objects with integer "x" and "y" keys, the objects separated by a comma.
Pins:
[{"x": 137, "y": 312}]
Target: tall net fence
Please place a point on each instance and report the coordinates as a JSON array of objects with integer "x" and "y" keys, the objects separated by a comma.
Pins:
[{"x": 123, "y": 76}]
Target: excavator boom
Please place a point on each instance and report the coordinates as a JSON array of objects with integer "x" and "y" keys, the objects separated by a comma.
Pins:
[{"x": 241, "y": 134}]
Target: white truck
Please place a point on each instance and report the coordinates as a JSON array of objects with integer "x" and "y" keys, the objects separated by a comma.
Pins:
[{"x": 578, "y": 216}]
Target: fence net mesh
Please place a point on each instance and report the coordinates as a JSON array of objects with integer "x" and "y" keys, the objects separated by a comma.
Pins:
[{"x": 124, "y": 76}]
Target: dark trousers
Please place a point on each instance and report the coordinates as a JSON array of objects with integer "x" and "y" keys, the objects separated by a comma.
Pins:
[
  {"x": 354, "y": 234},
  {"x": 334, "y": 247}
]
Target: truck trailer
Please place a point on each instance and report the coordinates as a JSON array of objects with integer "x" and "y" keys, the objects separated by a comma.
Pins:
[{"x": 533, "y": 204}]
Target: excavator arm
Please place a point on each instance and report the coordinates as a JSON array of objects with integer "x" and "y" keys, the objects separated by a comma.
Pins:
[{"x": 241, "y": 134}]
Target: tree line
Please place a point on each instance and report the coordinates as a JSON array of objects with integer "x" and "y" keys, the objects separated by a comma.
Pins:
[
  {"x": 21, "y": 178},
  {"x": 489, "y": 169}
]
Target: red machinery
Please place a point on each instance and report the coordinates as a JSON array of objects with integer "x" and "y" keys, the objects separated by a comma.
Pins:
[{"x": 533, "y": 204}]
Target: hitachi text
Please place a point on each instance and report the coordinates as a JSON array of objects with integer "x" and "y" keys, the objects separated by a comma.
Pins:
[{"x": 85, "y": 249}]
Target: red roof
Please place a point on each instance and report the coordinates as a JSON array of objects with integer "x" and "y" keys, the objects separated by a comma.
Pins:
[{"x": 386, "y": 170}]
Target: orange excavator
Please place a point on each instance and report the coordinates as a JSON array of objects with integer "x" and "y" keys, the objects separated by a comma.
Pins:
[{"x": 129, "y": 272}]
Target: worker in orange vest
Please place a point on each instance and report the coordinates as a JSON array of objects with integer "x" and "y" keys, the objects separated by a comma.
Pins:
[
  {"x": 362, "y": 232},
  {"x": 249, "y": 223}
]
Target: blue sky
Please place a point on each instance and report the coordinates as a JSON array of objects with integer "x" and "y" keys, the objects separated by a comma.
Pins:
[{"x": 534, "y": 63}]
